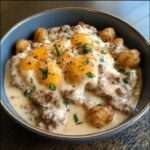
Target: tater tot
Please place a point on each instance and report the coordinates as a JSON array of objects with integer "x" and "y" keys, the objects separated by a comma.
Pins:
[
  {"x": 99, "y": 116},
  {"x": 128, "y": 58},
  {"x": 22, "y": 45},
  {"x": 108, "y": 34},
  {"x": 118, "y": 42},
  {"x": 40, "y": 35}
]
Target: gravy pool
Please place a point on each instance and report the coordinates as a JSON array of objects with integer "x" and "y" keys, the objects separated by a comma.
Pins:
[{"x": 21, "y": 105}]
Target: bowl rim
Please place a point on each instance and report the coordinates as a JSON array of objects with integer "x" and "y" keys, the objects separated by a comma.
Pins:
[{"x": 99, "y": 135}]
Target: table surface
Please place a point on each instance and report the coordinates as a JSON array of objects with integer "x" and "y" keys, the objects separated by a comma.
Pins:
[{"x": 14, "y": 137}]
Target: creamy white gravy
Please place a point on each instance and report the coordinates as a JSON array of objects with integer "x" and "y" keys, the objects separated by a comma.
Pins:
[{"x": 22, "y": 105}]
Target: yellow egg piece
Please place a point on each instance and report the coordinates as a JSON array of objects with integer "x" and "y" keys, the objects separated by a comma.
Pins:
[
  {"x": 82, "y": 42},
  {"x": 40, "y": 53},
  {"x": 28, "y": 63},
  {"x": 64, "y": 59},
  {"x": 79, "y": 66},
  {"x": 49, "y": 74}
]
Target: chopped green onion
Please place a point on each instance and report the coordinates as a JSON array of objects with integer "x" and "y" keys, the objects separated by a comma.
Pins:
[
  {"x": 51, "y": 57},
  {"x": 58, "y": 52},
  {"x": 90, "y": 74},
  {"x": 113, "y": 82},
  {"x": 127, "y": 73},
  {"x": 125, "y": 81},
  {"x": 31, "y": 81},
  {"x": 102, "y": 59},
  {"x": 86, "y": 49},
  {"x": 28, "y": 92},
  {"x": 52, "y": 87},
  {"x": 103, "y": 52},
  {"x": 66, "y": 102},
  {"x": 76, "y": 119},
  {"x": 86, "y": 62},
  {"x": 44, "y": 72},
  {"x": 121, "y": 70}
]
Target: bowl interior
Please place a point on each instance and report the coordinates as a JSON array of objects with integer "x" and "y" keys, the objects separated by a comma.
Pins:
[{"x": 72, "y": 16}]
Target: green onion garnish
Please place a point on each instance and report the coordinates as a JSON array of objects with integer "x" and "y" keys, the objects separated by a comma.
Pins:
[
  {"x": 125, "y": 81},
  {"x": 52, "y": 87},
  {"x": 121, "y": 70},
  {"x": 102, "y": 59},
  {"x": 66, "y": 102},
  {"x": 28, "y": 92},
  {"x": 44, "y": 72},
  {"x": 90, "y": 74},
  {"x": 103, "y": 52},
  {"x": 58, "y": 52},
  {"x": 86, "y": 62},
  {"x": 86, "y": 49},
  {"x": 127, "y": 73},
  {"x": 76, "y": 119}
]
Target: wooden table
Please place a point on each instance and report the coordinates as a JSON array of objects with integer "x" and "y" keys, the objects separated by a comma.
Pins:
[{"x": 14, "y": 137}]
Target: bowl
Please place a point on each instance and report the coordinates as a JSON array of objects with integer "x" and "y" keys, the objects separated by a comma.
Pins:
[{"x": 71, "y": 16}]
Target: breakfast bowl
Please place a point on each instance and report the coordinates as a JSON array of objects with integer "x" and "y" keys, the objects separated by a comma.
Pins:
[{"x": 71, "y": 16}]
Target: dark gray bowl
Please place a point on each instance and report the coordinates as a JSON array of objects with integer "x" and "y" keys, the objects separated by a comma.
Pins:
[{"x": 72, "y": 16}]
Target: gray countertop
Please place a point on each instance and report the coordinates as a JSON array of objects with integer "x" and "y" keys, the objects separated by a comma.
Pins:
[{"x": 14, "y": 137}]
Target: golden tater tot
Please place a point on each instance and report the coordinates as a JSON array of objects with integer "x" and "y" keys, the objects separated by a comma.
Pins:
[
  {"x": 99, "y": 116},
  {"x": 22, "y": 45},
  {"x": 40, "y": 35},
  {"x": 118, "y": 41},
  {"x": 128, "y": 58},
  {"x": 107, "y": 34}
]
